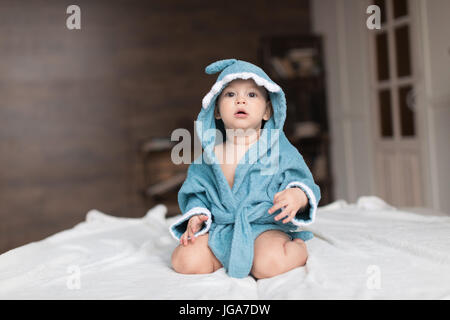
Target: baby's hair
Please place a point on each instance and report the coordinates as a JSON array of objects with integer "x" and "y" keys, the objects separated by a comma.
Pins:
[
  {"x": 271, "y": 107},
  {"x": 267, "y": 94}
]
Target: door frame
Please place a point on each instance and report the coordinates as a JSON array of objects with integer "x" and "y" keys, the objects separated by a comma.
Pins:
[{"x": 421, "y": 114}]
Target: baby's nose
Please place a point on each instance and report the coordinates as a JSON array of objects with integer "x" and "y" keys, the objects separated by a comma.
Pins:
[{"x": 240, "y": 100}]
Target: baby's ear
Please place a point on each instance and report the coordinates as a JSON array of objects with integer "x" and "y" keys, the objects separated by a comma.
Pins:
[
  {"x": 269, "y": 111},
  {"x": 216, "y": 113}
]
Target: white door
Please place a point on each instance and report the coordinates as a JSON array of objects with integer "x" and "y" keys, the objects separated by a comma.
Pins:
[{"x": 398, "y": 167}]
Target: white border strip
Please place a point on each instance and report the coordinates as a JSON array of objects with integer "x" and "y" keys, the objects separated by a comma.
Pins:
[
  {"x": 217, "y": 87},
  {"x": 312, "y": 202},
  {"x": 187, "y": 216}
]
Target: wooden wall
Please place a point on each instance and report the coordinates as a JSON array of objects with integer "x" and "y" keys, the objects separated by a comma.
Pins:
[{"x": 75, "y": 105}]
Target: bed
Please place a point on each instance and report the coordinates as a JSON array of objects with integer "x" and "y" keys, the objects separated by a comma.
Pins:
[{"x": 362, "y": 250}]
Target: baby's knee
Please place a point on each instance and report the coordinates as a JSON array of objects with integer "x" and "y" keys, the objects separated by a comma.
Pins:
[
  {"x": 297, "y": 252},
  {"x": 186, "y": 260},
  {"x": 268, "y": 264},
  {"x": 278, "y": 259}
]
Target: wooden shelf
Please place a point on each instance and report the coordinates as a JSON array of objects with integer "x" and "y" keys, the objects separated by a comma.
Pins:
[
  {"x": 168, "y": 185},
  {"x": 157, "y": 144}
]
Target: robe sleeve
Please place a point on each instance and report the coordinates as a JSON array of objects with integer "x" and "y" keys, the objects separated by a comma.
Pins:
[
  {"x": 192, "y": 200},
  {"x": 297, "y": 174}
]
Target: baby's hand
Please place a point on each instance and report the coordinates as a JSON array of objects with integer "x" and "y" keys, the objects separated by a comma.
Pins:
[
  {"x": 291, "y": 200},
  {"x": 193, "y": 226}
]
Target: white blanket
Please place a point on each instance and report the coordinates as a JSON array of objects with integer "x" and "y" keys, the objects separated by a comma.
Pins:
[{"x": 366, "y": 250}]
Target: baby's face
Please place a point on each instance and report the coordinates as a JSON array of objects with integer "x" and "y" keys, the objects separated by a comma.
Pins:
[{"x": 243, "y": 105}]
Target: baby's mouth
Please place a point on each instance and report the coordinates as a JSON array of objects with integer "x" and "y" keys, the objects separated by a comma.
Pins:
[{"x": 241, "y": 114}]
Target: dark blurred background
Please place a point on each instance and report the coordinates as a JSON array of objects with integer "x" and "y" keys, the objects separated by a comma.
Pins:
[{"x": 77, "y": 105}]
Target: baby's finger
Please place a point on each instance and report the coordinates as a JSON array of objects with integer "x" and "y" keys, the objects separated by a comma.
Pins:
[
  {"x": 183, "y": 238},
  {"x": 196, "y": 227},
  {"x": 289, "y": 218},
  {"x": 201, "y": 219},
  {"x": 277, "y": 206},
  {"x": 281, "y": 215},
  {"x": 189, "y": 235},
  {"x": 193, "y": 234}
]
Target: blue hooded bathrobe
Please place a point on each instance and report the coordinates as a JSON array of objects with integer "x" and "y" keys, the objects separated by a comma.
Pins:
[{"x": 237, "y": 215}]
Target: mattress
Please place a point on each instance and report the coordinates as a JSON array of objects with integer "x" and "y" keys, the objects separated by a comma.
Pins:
[{"x": 362, "y": 250}]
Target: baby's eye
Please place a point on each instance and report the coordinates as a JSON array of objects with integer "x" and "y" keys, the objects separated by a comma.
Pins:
[
  {"x": 229, "y": 94},
  {"x": 252, "y": 94}
]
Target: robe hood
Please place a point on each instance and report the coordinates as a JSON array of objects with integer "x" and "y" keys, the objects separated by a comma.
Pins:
[{"x": 231, "y": 69}]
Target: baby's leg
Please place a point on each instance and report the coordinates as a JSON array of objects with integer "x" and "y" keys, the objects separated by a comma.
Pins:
[
  {"x": 195, "y": 258},
  {"x": 276, "y": 253}
]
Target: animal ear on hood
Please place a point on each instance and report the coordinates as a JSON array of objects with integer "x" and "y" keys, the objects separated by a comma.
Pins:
[{"x": 219, "y": 66}]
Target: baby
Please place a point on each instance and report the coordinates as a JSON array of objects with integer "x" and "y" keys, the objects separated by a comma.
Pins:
[{"x": 239, "y": 214}]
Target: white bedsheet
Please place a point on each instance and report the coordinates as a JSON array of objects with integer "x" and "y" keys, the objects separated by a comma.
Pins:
[{"x": 365, "y": 250}]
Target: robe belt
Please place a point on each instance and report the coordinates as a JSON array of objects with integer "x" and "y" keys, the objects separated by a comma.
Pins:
[
  {"x": 259, "y": 214},
  {"x": 241, "y": 252}
]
